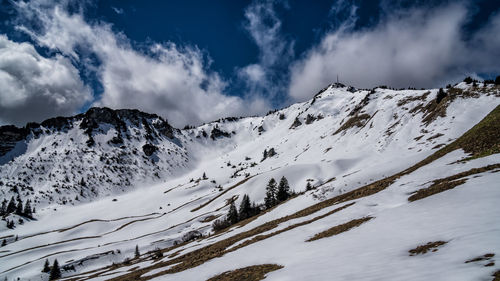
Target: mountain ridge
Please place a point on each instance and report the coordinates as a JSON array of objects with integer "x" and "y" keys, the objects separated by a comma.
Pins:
[{"x": 338, "y": 143}]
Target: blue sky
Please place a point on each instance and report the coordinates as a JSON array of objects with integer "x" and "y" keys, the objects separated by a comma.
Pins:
[{"x": 196, "y": 61}]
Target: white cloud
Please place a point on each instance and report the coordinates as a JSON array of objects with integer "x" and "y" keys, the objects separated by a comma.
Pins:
[
  {"x": 418, "y": 48},
  {"x": 168, "y": 80},
  {"x": 264, "y": 27},
  {"x": 33, "y": 87}
]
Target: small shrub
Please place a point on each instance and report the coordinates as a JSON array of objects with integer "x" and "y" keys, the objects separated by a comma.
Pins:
[{"x": 220, "y": 224}]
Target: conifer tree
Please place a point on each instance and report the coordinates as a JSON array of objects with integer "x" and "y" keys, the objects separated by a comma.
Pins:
[
  {"x": 255, "y": 209},
  {"x": 441, "y": 95},
  {"x": 19, "y": 208},
  {"x": 204, "y": 176},
  {"x": 283, "y": 190},
  {"x": 245, "y": 208},
  {"x": 11, "y": 207},
  {"x": 232, "y": 215},
  {"x": 264, "y": 155},
  {"x": 46, "y": 266},
  {"x": 27, "y": 209},
  {"x": 3, "y": 208},
  {"x": 55, "y": 271},
  {"x": 270, "y": 199},
  {"x": 4, "y": 242},
  {"x": 308, "y": 186},
  {"x": 137, "y": 253}
]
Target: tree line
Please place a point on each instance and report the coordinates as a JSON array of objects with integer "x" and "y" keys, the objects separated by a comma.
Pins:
[{"x": 275, "y": 194}]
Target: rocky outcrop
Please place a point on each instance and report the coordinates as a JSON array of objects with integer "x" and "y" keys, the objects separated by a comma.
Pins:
[{"x": 9, "y": 136}]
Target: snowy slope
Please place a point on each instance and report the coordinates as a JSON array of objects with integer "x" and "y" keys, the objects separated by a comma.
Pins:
[{"x": 341, "y": 140}]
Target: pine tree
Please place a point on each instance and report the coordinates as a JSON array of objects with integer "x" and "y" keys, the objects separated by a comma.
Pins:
[
  {"x": 255, "y": 209},
  {"x": 11, "y": 207},
  {"x": 497, "y": 80},
  {"x": 308, "y": 186},
  {"x": 232, "y": 215},
  {"x": 55, "y": 271},
  {"x": 264, "y": 155},
  {"x": 19, "y": 208},
  {"x": 3, "y": 208},
  {"x": 27, "y": 209},
  {"x": 4, "y": 242},
  {"x": 46, "y": 266},
  {"x": 137, "y": 253},
  {"x": 204, "y": 176},
  {"x": 441, "y": 95},
  {"x": 270, "y": 199},
  {"x": 283, "y": 190},
  {"x": 245, "y": 208}
]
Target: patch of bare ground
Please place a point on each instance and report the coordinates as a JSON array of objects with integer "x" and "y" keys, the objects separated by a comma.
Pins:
[
  {"x": 433, "y": 109},
  {"x": 250, "y": 273},
  {"x": 340, "y": 228},
  {"x": 435, "y": 136},
  {"x": 355, "y": 121},
  {"x": 222, "y": 193},
  {"x": 209, "y": 218},
  {"x": 435, "y": 189},
  {"x": 448, "y": 183},
  {"x": 485, "y": 257},
  {"x": 407, "y": 100},
  {"x": 423, "y": 249},
  {"x": 419, "y": 137},
  {"x": 480, "y": 141},
  {"x": 496, "y": 275}
]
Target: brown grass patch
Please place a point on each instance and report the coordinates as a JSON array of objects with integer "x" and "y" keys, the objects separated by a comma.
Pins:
[
  {"x": 210, "y": 218},
  {"x": 435, "y": 189},
  {"x": 423, "y": 249},
  {"x": 435, "y": 136},
  {"x": 407, "y": 100},
  {"x": 340, "y": 228},
  {"x": 481, "y": 258},
  {"x": 433, "y": 110},
  {"x": 358, "y": 120},
  {"x": 496, "y": 275},
  {"x": 250, "y": 273},
  {"x": 448, "y": 183}
]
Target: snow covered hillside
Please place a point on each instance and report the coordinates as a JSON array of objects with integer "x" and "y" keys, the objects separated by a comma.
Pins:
[{"x": 375, "y": 176}]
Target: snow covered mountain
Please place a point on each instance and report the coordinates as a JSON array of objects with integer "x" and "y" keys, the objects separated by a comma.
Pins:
[{"x": 367, "y": 169}]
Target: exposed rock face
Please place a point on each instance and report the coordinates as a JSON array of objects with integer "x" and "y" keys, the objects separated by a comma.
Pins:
[
  {"x": 149, "y": 149},
  {"x": 90, "y": 121},
  {"x": 105, "y": 148},
  {"x": 217, "y": 133},
  {"x": 9, "y": 136},
  {"x": 296, "y": 123}
]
